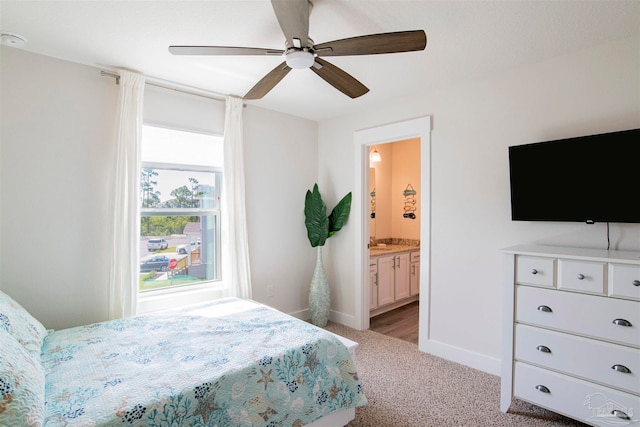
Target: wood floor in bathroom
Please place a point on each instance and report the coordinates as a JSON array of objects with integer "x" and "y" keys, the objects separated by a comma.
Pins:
[{"x": 400, "y": 323}]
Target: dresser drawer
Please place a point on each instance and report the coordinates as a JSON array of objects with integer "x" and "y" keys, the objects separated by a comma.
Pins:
[
  {"x": 624, "y": 281},
  {"x": 581, "y": 276},
  {"x": 575, "y": 398},
  {"x": 588, "y": 315},
  {"x": 415, "y": 256},
  {"x": 537, "y": 271},
  {"x": 582, "y": 357}
]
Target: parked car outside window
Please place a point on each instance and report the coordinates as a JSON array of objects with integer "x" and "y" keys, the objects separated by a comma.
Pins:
[
  {"x": 157, "y": 244},
  {"x": 157, "y": 263},
  {"x": 182, "y": 249}
]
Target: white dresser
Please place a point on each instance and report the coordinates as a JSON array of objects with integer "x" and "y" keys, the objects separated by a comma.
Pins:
[{"x": 571, "y": 332}]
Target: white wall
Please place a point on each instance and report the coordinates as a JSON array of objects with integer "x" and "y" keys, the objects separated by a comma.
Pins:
[
  {"x": 281, "y": 155},
  {"x": 56, "y": 131},
  {"x": 56, "y": 144},
  {"x": 591, "y": 91}
]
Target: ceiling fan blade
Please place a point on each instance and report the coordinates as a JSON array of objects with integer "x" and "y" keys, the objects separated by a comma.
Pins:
[
  {"x": 338, "y": 78},
  {"x": 402, "y": 41},
  {"x": 222, "y": 50},
  {"x": 293, "y": 17},
  {"x": 268, "y": 82}
]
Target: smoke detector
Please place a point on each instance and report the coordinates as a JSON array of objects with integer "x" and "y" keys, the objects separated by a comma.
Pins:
[{"x": 13, "y": 40}]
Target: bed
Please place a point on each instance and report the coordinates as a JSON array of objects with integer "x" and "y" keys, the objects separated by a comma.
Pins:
[{"x": 230, "y": 362}]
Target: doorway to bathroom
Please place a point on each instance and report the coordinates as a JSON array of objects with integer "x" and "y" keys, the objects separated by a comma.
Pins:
[
  {"x": 394, "y": 238},
  {"x": 416, "y": 204}
]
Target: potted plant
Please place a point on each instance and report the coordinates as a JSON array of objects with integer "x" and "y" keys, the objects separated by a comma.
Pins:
[{"x": 319, "y": 228}]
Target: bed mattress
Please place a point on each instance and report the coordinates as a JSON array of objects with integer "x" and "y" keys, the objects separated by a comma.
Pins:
[{"x": 230, "y": 362}]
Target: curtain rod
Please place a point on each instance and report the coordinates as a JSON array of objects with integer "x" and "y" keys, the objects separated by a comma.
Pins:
[{"x": 169, "y": 85}]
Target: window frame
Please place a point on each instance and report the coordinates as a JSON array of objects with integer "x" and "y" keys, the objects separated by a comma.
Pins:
[{"x": 217, "y": 282}]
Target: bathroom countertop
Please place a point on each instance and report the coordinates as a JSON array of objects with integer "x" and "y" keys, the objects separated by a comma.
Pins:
[{"x": 391, "y": 249}]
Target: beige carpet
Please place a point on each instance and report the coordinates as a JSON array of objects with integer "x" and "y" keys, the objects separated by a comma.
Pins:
[{"x": 406, "y": 387}]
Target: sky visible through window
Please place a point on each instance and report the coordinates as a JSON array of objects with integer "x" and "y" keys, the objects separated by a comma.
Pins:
[{"x": 169, "y": 146}]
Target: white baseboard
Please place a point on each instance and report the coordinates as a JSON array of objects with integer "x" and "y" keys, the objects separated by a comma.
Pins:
[
  {"x": 344, "y": 319},
  {"x": 482, "y": 362},
  {"x": 465, "y": 357},
  {"x": 335, "y": 316},
  {"x": 302, "y": 314}
]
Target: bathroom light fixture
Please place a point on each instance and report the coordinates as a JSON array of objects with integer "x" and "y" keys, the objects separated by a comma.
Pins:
[{"x": 374, "y": 156}]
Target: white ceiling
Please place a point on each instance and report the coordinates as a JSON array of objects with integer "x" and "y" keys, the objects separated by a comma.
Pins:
[{"x": 466, "y": 39}]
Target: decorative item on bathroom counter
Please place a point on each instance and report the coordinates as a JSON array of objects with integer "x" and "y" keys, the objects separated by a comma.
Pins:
[
  {"x": 409, "y": 202},
  {"x": 319, "y": 229}
]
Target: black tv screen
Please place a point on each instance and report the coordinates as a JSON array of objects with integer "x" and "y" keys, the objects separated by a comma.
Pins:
[{"x": 588, "y": 179}]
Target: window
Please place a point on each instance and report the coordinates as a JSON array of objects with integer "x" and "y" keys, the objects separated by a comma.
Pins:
[{"x": 180, "y": 182}]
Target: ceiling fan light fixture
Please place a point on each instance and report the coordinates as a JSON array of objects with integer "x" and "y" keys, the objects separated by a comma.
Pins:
[{"x": 298, "y": 59}]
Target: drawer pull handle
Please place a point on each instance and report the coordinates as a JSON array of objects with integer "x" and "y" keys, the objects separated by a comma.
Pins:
[
  {"x": 620, "y": 414},
  {"x": 580, "y": 276},
  {"x": 534, "y": 271},
  {"x": 547, "y": 309},
  {"x": 621, "y": 322},
  {"x": 542, "y": 389},
  {"x": 621, "y": 368},
  {"x": 543, "y": 348},
  {"x": 636, "y": 283}
]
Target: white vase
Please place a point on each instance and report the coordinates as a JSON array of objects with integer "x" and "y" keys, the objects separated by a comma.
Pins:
[{"x": 319, "y": 297}]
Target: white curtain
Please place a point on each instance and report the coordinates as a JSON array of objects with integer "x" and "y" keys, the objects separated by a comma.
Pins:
[
  {"x": 123, "y": 280},
  {"x": 235, "y": 249}
]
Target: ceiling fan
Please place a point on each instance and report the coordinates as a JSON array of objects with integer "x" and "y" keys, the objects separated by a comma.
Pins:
[{"x": 301, "y": 52}]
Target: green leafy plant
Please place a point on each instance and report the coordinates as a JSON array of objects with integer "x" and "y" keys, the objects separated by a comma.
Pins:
[{"x": 320, "y": 226}]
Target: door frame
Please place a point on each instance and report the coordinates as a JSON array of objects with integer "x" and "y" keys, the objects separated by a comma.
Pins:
[{"x": 363, "y": 140}]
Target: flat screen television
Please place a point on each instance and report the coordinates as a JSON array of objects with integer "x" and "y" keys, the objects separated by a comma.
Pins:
[{"x": 588, "y": 179}]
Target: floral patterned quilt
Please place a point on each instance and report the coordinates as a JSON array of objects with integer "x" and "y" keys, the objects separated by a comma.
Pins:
[{"x": 226, "y": 363}]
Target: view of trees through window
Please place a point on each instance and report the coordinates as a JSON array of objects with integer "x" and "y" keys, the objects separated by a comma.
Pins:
[
  {"x": 185, "y": 196},
  {"x": 179, "y": 202}
]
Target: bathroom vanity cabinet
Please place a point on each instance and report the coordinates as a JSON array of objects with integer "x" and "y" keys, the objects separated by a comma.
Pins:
[{"x": 394, "y": 277}]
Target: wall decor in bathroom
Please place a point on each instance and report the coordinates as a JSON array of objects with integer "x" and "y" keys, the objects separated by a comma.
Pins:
[
  {"x": 373, "y": 203},
  {"x": 409, "y": 202}
]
